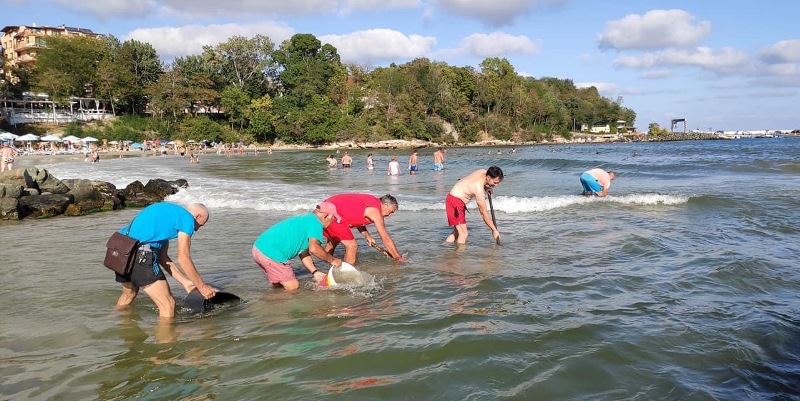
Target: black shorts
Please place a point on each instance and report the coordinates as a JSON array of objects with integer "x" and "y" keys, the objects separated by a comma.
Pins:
[{"x": 141, "y": 274}]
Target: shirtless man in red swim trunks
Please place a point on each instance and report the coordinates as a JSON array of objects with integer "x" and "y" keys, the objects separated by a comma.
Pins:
[
  {"x": 475, "y": 186},
  {"x": 359, "y": 210}
]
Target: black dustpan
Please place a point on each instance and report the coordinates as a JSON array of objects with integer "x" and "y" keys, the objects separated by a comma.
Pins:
[{"x": 197, "y": 304}]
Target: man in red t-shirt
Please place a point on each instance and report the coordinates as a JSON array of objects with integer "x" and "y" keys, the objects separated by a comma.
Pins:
[{"x": 359, "y": 210}]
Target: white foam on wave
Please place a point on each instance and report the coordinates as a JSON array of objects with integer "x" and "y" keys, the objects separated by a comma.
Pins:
[
  {"x": 649, "y": 199},
  {"x": 517, "y": 204}
]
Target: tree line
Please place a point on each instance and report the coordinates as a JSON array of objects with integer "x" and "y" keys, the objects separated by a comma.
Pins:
[{"x": 250, "y": 90}]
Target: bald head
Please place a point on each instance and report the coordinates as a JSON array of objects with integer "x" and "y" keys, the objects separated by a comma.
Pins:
[{"x": 200, "y": 213}]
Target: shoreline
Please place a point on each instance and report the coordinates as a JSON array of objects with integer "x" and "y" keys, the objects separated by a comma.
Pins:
[{"x": 400, "y": 144}]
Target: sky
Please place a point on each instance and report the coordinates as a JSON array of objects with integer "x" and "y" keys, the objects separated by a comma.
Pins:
[{"x": 719, "y": 64}]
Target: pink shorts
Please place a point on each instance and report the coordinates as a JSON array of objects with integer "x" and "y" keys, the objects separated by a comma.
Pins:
[{"x": 275, "y": 272}]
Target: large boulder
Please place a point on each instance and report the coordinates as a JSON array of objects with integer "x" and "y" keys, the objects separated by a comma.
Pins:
[
  {"x": 21, "y": 176},
  {"x": 33, "y": 178},
  {"x": 10, "y": 191},
  {"x": 92, "y": 196},
  {"x": 137, "y": 194},
  {"x": 31, "y": 192},
  {"x": 47, "y": 183},
  {"x": 47, "y": 205}
]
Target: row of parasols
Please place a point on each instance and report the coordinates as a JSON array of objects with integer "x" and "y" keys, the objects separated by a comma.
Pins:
[{"x": 7, "y": 136}]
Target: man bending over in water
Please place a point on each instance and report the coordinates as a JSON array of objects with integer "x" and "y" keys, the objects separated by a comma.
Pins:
[{"x": 475, "y": 186}]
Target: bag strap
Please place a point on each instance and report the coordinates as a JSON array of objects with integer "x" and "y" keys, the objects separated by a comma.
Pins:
[{"x": 130, "y": 226}]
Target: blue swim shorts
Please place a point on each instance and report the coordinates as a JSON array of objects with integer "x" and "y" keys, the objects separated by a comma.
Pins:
[
  {"x": 590, "y": 183},
  {"x": 438, "y": 166}
]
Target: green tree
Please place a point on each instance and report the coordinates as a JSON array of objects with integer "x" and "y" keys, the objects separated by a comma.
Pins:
[
  {"x": 235, "y": 103},
  {"x": 67, "y": 66},
  {"x": 141, "y": 67},
  {"x": 245, "y": 63}
]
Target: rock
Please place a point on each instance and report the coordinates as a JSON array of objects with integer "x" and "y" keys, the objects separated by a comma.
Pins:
[
  {"x": 138, "y": 195},
  {"x": 48, "y": 205},
  {"x": 92, "y": 196},
  {"x": 31, "y": 192},
  {"x": 10, "y": 191},
  {"x": 46, "y": 183},
  {"x": 20, "y": 176},
  {"x": 9, "y": 208}
]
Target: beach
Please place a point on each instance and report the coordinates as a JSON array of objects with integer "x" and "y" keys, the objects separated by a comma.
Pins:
[{"x": 681, "y": 284}]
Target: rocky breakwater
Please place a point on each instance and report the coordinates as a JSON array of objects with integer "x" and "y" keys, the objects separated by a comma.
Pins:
[{"x": 35, "y": 193}]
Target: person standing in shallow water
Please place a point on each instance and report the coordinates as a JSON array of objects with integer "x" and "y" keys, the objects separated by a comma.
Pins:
[
  {"x": 412, "y": 163},
  {"x": 394, "y": 166},
  {"x": 438, "y": 160},
  {"x": 331, "y": 161},
  {"x": 475, "y": 185},
  {"x": 347, "y": 161},
  {"x": 154, "y": 226},
  {"x": 370, "y": 162}
]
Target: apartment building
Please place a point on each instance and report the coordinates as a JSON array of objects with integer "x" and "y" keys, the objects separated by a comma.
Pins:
[{"x": 20, "y": 43}]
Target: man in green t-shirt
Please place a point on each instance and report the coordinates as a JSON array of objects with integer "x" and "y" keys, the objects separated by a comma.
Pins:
[{"x": 296, "y": 236}]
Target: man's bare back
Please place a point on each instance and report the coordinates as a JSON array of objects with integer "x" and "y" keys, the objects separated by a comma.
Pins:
[{"x": 470, "y": 186}]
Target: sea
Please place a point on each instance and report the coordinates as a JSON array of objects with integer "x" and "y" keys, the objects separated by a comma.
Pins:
[{"x": 682, "y": 284}]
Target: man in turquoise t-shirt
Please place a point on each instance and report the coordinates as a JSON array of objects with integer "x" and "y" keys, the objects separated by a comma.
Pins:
[
  {"x": 154, "y": 227},
  {"x": 296, "y": 236}
]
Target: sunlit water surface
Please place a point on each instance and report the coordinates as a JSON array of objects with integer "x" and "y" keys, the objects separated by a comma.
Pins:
[{"x": 682, "y": 284}]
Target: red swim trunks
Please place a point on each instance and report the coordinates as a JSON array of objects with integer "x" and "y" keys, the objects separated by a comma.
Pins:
[
  {"x": 338, "y": 231},
  {"x": 456, "y": 210}
]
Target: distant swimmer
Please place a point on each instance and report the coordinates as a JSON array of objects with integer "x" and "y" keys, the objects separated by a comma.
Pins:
[
  {"x": 347, "y": 161},
  {"x": 331, "y": 161},
  {"x": 438, "y": 160},
  {"x": 412, "y": 163},
  {"x": 596, "y": 182},
  {"x": 370, "y": 162},
  {"x": 475, "y": 186},
  {"x": 394, "y": 166}
]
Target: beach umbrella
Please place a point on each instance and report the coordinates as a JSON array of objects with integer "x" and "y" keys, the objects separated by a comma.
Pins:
[
  {"x": 28, "y": 137},
  {"x": 8, "y": 136},
  {"x": 50, "y": 138},
  {"x": 89, "y": 139},
  {"x": 71, "y": 138},
  {"x": 136, "y": 145},
  {"x": 114, "y": 143}
]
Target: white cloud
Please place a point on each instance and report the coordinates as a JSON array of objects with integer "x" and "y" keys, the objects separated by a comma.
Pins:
[
  {"x": 110, "y": 8},
  {"x": 171, "y": 42},
  {"x": 379, "y": 45},
  {"x": 654, "y": 30},
  {"x": 782, "y": 52},
  {"x": 725, "y": 60},
  {"x": 260, "y": 8},
  {"x": 378, "y": 5},
  {"x": 602, "y": 87},
  {"x": 494, "y": 13},
  {"x": 495, "y": 44},
  {"x": 656, "y": 74}
]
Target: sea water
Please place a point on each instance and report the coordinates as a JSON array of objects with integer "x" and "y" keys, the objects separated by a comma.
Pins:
[{"x": 681, "y": 284}]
